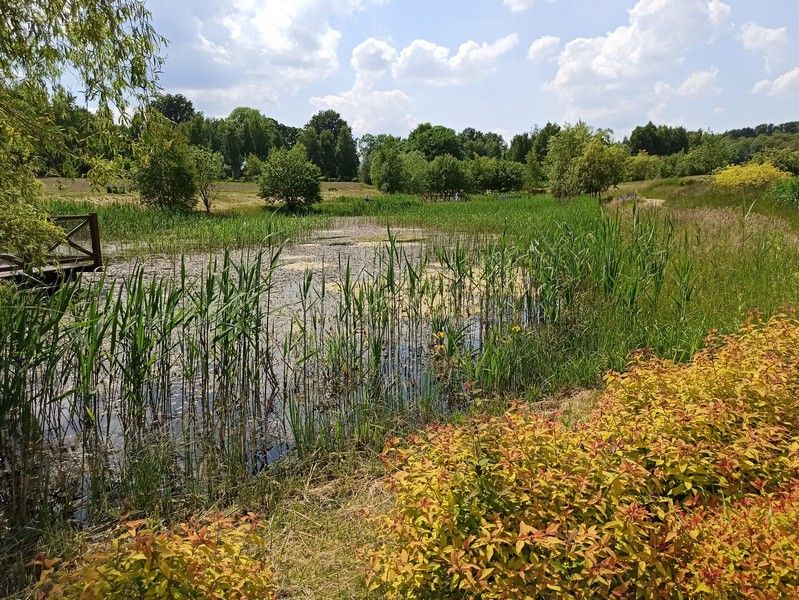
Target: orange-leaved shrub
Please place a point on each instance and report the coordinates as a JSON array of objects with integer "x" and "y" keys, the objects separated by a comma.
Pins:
[
  {"x": 214, "y": 558},
  {"x": 523, "y": 506},
  {"x": 748, "y": 549}
]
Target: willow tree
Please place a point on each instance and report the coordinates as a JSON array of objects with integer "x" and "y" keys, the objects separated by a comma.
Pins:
[{"x": 111, "y": 52}]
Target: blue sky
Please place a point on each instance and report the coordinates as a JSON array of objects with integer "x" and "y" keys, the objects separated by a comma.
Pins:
[{"x": 496, "y": 65}]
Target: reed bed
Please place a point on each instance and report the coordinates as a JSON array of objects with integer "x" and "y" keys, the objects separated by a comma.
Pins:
[
  {"x": 135, "y": 230},
  {"x": 165, "y": 395}
]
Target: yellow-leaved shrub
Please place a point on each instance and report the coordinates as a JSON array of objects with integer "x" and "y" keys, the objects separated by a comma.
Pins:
[
  {"x": 216, "y": 558},
  {"x": 737, "y": 178},
  {"x": 748, "y": 549},
  {"x": 523, "y": 506}
]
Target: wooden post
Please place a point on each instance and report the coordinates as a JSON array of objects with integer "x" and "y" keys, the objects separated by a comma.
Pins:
[{"x": 97, "y": 251}]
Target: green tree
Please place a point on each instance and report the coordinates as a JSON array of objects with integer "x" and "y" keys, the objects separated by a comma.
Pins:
[
  {"x": 310, "y": 140},
  {"x": 327, "y": 154},
  {"x": 346, "y": 155},
  {"x": 165, "y": 173},
  {"x": 541, "y": 140},
  {"x": 520, "y": 147},
  {"x": 561, "y": 160},
  {"x": 642, "y": 166},
  {"x": 447, "y": 175},
  {"x": 327, "y": 120},
  {"x": 477, "y": 143},
  {"x": 534, "y": 175},
  {"x": 434, "y": 141},
  {"x": 288, "y": 176},
  {"x": 387, "y": 169},
  {"x": 414, "y": 172},
  {"x": 209, "y": 166},
  {"x": 175, "y": 107},
  {"x": 600, "y": 166},
  {"x": 109, "y": 46},
  {"x": 252, "y": 167},
  {"x": 713, "y": 153}
]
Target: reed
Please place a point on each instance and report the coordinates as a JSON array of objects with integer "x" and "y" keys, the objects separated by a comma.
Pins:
[{"x": 165, "y": 395}]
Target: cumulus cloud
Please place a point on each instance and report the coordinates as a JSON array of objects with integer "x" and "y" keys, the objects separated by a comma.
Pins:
[
  {"x": 768, "y": 43},
  {"x": 544, "y": 47},
  {"x": 787, "y": 83},
  {"x": 369, "y": 108},
  {"x": 426, "y": 61},
  {"x": 265, "y": 49},
  {"x": 610, "y": 75},
  {"x": 700, "y": 83}
]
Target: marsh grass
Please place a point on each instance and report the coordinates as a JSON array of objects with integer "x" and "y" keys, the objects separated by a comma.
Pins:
[
  {"x": 130, "y": 229},
  {"x": 163, "y": 396}
]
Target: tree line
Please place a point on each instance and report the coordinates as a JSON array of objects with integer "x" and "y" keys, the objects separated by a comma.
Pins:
[{"x": 175, "y": 154}]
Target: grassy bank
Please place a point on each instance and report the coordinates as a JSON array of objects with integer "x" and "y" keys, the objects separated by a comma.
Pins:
[{"x": 170, "y": 396}]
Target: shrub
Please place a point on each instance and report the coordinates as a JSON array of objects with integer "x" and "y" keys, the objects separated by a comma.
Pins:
[
  {"x": 600, "y": 166},
  {"x": 414, "y": 172},
  {"x": 165, "y": 175},
  {"x": 524, "y": 506},
  {"x": 642, "y": 166},
  {"x": 446, "y": 174},
  {"x": 565, "y": 149},
  {"x": 749, "y": 549},
  {"x": 786, "y": 193},
  {"x": 211, "y": 559},
  {"x": 290, "y": 177},
  {"x": 751, "y": 176},
  {"x": 492, "y": 174}
]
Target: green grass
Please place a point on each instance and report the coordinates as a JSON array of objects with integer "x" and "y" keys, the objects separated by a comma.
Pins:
[
  {"x": 140, "y": 231},
  {"x": 523, "y": 298}
]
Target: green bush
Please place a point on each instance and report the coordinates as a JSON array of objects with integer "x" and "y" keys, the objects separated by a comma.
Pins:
[
  {"x": 288, "y": 176},
  {"x": 25, "y": 230},
  {"x": 446, "y": 174},
  {"x": 166, "y": 175}
]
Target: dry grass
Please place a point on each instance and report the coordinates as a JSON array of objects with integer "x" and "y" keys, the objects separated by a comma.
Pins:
[
  {"x": 316, "y": 536},
  {"x": 232, "y": 195}
]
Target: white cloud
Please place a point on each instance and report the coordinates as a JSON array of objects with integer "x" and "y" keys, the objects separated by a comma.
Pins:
[
  {"x": 768, "y": 43},
  {"x": 373, "y": 56},
  {"x": 700, "y": 83},
  {"x": 719, "y": 13},
  {"x": 787, "y": 83},
  {"x": 269, "y": 48},
  {"x": 612, "y": 75},
  {"x": 368, "y": 110},
  {"x": 518, "y": 5},
  {"x": 544, "y": 47},
  {"x": 426, "y": 61}
]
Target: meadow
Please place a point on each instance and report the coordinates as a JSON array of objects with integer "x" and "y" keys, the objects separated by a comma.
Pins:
[{"x": 169, "y": 395}]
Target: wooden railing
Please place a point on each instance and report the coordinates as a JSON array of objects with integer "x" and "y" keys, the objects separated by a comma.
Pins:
[{"x": 63, "y": 259}]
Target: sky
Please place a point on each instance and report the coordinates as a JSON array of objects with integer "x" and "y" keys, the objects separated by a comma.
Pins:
[{"x": 495, "y": 65}]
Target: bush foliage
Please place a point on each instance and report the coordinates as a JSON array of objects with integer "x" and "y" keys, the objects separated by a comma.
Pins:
[
  {"x": 525, "y": 506},
  {"x": 739, "y": 178},
  {"x": 211, "y": 559},
  {"x": 166, "y": 175},
  {"x": 290, "y": 177}
]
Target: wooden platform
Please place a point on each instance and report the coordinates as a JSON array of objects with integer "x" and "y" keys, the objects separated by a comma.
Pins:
[{"x": 64, "y": 259}]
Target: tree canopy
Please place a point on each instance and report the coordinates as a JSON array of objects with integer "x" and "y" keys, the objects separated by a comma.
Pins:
[{"x": 109, "y": 46}]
